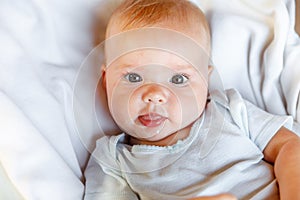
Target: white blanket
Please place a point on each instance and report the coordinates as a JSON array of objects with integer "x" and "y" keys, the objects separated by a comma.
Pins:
[
  {"x": 43, "y": 43},
  {"x": 256, "y": 50}
]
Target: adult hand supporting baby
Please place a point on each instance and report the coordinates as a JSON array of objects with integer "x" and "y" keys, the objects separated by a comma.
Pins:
[{"x": 216, "y": 197}]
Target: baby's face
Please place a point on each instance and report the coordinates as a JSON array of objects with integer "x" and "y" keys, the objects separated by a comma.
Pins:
[{"x": 154, "y": 93}]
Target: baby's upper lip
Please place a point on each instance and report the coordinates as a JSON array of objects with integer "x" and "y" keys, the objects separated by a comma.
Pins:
[
  {"x": 151, "y": 119},
  {"x": 152, "y": 116}
]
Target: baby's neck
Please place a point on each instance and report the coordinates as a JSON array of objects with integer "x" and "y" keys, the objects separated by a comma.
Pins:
[{"x": 167, "y": 141}]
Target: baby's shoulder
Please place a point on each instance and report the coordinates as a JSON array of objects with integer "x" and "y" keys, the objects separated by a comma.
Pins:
[
  {"x": 230, "y": 105},
  {"x": 107, "y": 145},
  {"x": 226, "y": 98}
]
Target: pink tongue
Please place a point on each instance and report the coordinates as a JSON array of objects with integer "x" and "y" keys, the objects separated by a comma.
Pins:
[{"x": 151, "y": 120}]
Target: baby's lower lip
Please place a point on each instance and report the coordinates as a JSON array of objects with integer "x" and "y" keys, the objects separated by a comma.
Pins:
[{"x": 151, "y": 119}]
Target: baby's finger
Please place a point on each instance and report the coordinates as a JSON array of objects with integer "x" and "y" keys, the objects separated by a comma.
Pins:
[{"x": 216, "y": 197}]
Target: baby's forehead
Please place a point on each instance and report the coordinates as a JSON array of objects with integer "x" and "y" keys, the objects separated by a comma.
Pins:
[
  {"x": 155, "y": 45},
  {"x": 155, "y": 36},
  {"x": 152, "y": 57},
  {"x": 191, "y": 32}
]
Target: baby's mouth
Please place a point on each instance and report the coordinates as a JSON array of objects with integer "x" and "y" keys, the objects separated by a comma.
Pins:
[{"x": 151, "y": 119}]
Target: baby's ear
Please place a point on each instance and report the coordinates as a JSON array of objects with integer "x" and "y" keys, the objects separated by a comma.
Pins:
[
  {"x": 210, "y": 69},
  {"x": 103, "y": 76}
]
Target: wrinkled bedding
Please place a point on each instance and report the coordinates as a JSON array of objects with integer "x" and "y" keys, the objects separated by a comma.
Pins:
[{"x": 44, "y": 43}]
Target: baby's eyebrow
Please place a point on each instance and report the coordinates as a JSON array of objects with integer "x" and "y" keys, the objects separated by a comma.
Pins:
[
  {"x": 176, "y": 67},
  {"x": 125, "y": 66},
  {"x": 188, "y": 67}
]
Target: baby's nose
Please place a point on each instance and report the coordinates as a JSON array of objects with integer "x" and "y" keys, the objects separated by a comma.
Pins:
[{"x": 155, "y": 94}]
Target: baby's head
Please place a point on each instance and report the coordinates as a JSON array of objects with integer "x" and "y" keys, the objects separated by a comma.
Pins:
[
  {"x": 178, "y": 15},
  {"x": 155, "y": 94}
]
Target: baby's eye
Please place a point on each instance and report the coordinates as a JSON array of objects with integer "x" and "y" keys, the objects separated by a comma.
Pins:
[
  {"x": 133, "y": 77},
  {"x": 179, "y": 79}
]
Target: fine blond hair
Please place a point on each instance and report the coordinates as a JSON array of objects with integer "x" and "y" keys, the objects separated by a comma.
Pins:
[{"x": 175, "y": 14}]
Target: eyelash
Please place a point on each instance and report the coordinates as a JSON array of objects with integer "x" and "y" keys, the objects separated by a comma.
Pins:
[
  {"x": 186, "y": 77},
  {"x": 127, "y": 77}
]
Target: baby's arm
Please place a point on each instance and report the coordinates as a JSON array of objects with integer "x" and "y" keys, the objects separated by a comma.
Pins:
[
  {"x": 284, "y": 151},
  {"x": 216, "y": 197}
]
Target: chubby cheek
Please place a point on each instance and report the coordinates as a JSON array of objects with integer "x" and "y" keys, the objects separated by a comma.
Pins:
[
  {"x": 201, "y": 96},
  {"x": 191, "y": 105},
  {"x": 118, "y": 103}
]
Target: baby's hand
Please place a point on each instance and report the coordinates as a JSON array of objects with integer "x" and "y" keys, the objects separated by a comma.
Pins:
[{"x": 216, "y": 197}]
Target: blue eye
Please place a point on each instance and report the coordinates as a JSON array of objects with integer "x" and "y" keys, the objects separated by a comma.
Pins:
[
  {"x": 133, "y": 77},
  {"x": 179, "y": 79}
]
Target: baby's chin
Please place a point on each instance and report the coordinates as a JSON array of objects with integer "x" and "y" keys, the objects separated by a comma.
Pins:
[
  {"x": 154, "y": 136},
  {"x": 160, "y": 138}
]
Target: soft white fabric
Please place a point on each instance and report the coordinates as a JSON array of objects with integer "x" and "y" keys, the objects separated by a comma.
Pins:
[
  {"x": 39, "y": 55},
  {"x": 256, "y": 50},
  {"x": 8, "y": 187},
  {"x": 44, "y": 42},
  {"x": 210, "y": 161}
]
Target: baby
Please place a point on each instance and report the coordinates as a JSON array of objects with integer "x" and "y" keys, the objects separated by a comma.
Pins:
[{"x": 181, "y": 141}]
